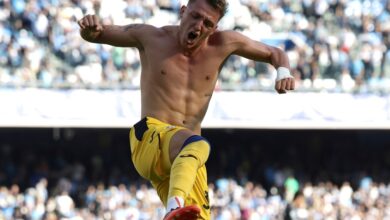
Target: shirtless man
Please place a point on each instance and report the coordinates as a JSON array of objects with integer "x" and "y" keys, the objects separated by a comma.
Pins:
[{"x": 180, "y": 67}]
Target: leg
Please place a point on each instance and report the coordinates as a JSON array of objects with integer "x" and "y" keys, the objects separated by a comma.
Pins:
[
  {"x": 198, "y": 195},
  {"x": 188, "y": 157},
  {"x": 188, "y": 153},
  {"x": 170, "y": 158}
]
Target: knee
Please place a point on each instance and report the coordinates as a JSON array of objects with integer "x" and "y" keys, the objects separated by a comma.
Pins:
[
  {"x": 202, "y": 143},
  {"x": 196, "y": 146}
]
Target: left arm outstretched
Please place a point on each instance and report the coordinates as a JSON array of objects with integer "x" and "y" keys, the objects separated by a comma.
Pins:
[{"x": 243, "y": 46}]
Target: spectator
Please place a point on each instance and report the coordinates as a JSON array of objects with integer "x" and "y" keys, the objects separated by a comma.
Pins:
[{"x": 42, "y": 48}]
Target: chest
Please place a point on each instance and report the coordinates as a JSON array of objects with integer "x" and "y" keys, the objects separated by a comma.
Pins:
[{"x": 173, "y": 67}]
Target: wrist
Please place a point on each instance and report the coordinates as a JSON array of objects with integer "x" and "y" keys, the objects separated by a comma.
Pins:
[
  {"x": 90, "y": 35},
  {"x": 282, "y": 73}
]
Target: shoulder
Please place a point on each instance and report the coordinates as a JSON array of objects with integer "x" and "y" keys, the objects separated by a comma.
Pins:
[
  {"x": 169, "y": 30},
  {"x": 228, "y": 37}
]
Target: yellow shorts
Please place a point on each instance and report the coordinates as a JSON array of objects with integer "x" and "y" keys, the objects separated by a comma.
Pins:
[{"x": 149, "y": 144}]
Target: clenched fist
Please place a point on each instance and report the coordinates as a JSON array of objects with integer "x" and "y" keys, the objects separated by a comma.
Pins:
[
  {"x": 284, "y": 81},
  {"x": 90, "y": 27}
]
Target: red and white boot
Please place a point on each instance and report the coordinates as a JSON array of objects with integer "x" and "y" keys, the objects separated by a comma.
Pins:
[{"x": 183, "y": 213}]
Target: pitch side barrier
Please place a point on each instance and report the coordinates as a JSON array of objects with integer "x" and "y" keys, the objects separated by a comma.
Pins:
[{"x": 257, "y": 110}]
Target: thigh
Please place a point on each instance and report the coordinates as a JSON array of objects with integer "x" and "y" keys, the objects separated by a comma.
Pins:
[
  {"x": 147, "y": 143},
  {"x": 167, "y": 135},
  {"x": 172, "y": 139},
  {"x": 177, "y": 141},
  {"x": 151, "y": 148},
  {"x": 145, "y": 151}
]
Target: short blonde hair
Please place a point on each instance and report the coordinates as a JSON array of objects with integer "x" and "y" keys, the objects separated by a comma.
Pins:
[{"x": 220, "y": 5}]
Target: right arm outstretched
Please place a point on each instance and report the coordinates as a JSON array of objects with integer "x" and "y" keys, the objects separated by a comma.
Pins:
[{"x": 93, "y": 31}]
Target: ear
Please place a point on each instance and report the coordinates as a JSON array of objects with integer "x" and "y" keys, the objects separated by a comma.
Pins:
[{"x": 182, "y": 10}]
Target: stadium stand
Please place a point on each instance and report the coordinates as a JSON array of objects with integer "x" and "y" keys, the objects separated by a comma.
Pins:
[
  {"x": 87, "y": 173},
  {"x": 332, "y": 45}
]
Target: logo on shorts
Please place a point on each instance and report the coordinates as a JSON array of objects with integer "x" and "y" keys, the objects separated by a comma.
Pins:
[{"x": 170, "y": 127}]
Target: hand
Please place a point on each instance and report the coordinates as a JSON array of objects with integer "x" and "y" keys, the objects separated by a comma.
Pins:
[
  {"x": 90, "y": 27},
  {"x": 284, "y": 85},
  {"x": 284, "y": 80}
]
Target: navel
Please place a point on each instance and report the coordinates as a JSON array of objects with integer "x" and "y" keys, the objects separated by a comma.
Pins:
[
  {"x": 207, "y": 77},
  {"x": 184, "y": 122},
  {"x": 163, "y": 72}
]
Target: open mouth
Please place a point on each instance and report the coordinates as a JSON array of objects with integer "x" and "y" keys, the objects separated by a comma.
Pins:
[{"x": 192, "y": 36}]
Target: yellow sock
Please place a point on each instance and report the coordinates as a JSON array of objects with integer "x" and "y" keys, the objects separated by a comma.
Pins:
[{"x": 185, "y": 167}]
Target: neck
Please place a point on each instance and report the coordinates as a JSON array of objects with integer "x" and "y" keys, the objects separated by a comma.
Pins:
[{"x": 193, "y": 50}]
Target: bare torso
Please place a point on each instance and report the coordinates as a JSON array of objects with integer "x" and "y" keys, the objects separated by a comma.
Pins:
[
  {"x": 176, "y": 87},
  {"x": 180, "y": 64}
]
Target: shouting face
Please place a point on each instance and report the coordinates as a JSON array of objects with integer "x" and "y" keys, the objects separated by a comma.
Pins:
[{"x": 198, "y": 21}]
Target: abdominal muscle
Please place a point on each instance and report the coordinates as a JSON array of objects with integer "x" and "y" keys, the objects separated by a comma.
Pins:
[
  {"x": 176, "y": 88},
  {"x": 181, "y": 108}
]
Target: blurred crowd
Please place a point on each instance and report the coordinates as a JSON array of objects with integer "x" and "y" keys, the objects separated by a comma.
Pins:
[
  {"x": 229, "y": 201},
  {"x": 252, "y": 175},
  {"x": 333, "y": 45}
]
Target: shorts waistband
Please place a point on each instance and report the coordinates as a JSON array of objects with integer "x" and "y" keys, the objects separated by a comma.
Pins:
[
  {"x": 142, "y": 126},
  {"x": 152, "y": 120}
]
